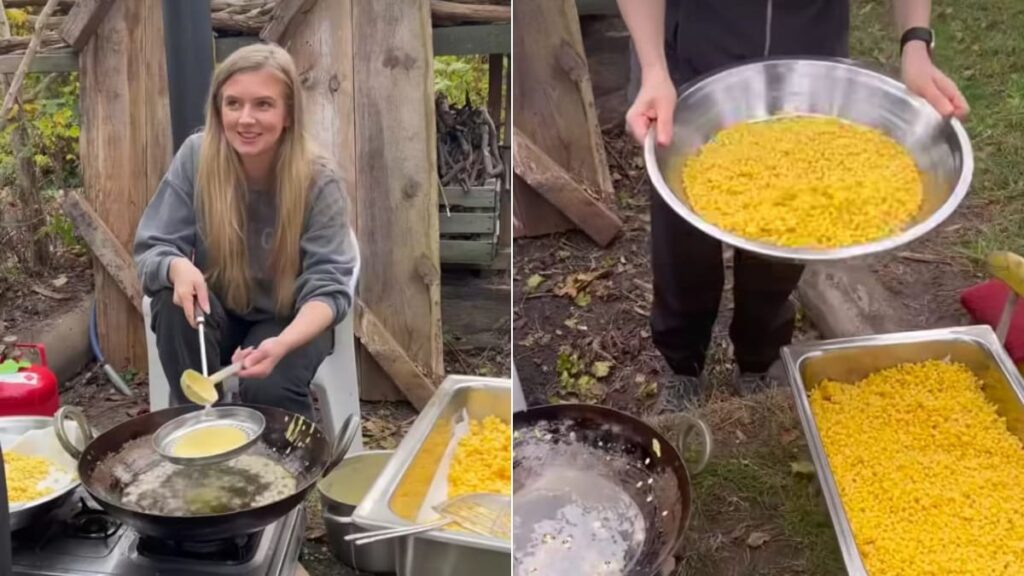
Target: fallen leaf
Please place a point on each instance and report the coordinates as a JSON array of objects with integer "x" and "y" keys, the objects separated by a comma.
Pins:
[
  {"x": 737, "y": 532},
  {"x": 534, "y": 281},
  {"x": 601, "y": 369},
  {"x": 582, "y": 299},
  {"x": 648, "y": 390},
  {"x": 50, "y": 293},
  {"x": 757, "y": 539},
  {"x": 60, "y": 281},
  {"x": 802, "y": 467},
  {"x": 788, "y": 436}
]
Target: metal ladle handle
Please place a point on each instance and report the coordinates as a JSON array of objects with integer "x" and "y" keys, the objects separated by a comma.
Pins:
[
  {"x": 342, "y": 443},
  {"x": 368, "y": 537},
  {"x": 76, "y": 414}
]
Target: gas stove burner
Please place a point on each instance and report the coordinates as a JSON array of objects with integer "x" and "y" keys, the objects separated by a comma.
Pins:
[
  {"x": 91, "y": 523},
  {"x": 236, "y": 550}
]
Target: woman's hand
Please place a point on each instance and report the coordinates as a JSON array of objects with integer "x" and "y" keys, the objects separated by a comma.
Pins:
[
  {"x": 259, "y": 362},
  {"x": 655, "y": 102},
  {"x": 189, "y": 285},
  {"x": 924, "y": 79}
]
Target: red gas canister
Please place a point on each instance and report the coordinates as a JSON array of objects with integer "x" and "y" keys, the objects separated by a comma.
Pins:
[{"x": 27, "y": 388}]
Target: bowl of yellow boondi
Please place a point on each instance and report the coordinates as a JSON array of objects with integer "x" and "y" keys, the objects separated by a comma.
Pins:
[{"x": 810, "y": 160}]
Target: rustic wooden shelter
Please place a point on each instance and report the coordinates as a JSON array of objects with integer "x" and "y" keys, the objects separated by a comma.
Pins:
[
  {"x": 366, "y": 69},
  {"x": 561, "y": 173}
]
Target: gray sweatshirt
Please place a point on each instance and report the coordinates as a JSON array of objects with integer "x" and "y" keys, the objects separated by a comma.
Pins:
[{"x": 329, "y": 257}]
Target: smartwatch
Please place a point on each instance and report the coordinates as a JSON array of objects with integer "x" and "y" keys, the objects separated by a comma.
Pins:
[{"x": 926, "y": 35}]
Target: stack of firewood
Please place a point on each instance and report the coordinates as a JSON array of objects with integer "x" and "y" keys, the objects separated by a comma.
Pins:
[{"x": 467, "y": 145}]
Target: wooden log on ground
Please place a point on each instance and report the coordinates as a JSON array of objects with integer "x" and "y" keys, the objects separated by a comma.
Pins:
[
  {"x": 82, "y": 22},
  {"x": 570, "y": 195},
  {"x": 560, "y": 119},
  {"x": 125, "y": 123},
  {"x": 847, "y": 300},
  {"x": 396, "y": 180},
  {"x": 114, "y": 258}
]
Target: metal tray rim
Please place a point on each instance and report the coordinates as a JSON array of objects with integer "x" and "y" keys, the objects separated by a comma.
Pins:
[
  {"x": 374, "y": 513},
  {"x": 793, "y": 357}
]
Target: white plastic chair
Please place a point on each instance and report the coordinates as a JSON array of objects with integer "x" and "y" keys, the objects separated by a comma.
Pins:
[{"x": 335, "y": 384}]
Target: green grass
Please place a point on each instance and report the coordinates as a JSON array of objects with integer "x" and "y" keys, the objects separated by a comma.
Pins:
[
  {"x": 979, "y": 44},
  {"x": 763, "y": 480}
]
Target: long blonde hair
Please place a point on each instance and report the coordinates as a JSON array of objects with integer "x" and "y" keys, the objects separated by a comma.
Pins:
[{"x": 223, "y": 194}]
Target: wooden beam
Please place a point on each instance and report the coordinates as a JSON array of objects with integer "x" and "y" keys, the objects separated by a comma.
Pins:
[
  {"x": 83, "y": 21},
  {"x": 473, "y": 39},
  {"x": 442, "y": 11},
  {"x": 285, "y": 12},
  {"x": 66, "y": 60},
  {"x": 571, "y": 196},
  {"x": 105, "y": 247},
  {"x": 396, "y": 179},
  {"x": 392, "y": 358},
  {"x": 18, "y": 44},
  {"x": 41, "y": 64},
  {"x": 124, "y": 122},
  {"x": 561, "y": 120},
  {"x": 36, "y": 3}
]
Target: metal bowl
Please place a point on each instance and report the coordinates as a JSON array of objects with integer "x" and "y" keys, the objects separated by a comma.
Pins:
[
  {"x": 249, "y": 421},
  {"x": 828, "y": 87}
]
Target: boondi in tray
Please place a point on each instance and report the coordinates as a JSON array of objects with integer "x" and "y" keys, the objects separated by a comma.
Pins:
[
  {"x": 929, "y": 476},
  {"x": 803, "y": 181}
]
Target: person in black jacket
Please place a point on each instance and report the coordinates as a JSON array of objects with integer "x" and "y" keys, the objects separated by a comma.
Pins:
[{"x": 675, "y": 41}]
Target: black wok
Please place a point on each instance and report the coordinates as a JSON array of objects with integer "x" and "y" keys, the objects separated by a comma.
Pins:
[
  {"x": 625, "y": 491},
  {"x": 109, "y": 463}
]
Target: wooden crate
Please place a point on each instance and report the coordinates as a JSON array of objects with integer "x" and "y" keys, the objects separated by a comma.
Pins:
[{"x": 470, "y": 222}]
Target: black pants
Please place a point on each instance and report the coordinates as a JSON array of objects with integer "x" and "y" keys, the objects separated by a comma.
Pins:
[
  {"x": 702, "y": 36},
  {"x": 177, "y": 342}
]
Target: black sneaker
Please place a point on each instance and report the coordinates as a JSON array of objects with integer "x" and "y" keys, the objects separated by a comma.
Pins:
[{"x": 679, "y": 393}]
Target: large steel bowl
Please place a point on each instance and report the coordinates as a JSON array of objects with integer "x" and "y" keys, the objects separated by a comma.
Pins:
[{"x": 832, "y": 87}]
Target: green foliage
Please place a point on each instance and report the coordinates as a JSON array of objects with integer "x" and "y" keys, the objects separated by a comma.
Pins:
[
  {"x": 60, "y": 228},
  {"x": 459, "y": 76},
  {"x": 50, "y": 114}
]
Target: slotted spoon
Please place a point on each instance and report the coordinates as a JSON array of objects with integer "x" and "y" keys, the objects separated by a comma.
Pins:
[{"x": 483, "y": 513}]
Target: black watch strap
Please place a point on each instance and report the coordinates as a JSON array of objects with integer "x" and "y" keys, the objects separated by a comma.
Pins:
[{"x": 926, "y": 35}]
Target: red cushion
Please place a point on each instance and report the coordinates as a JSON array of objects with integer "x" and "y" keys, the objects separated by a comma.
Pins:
[{"x": 984, "y": 302}]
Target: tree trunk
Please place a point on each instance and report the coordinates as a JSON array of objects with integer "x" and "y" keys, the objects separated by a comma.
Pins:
[{"x": 31, "y": 206}]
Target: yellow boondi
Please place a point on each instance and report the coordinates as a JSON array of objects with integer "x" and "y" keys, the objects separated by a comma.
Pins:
[
  {"x": 23, "y": 474},
  {"x": 929, "y": 475},
  {"x": 483, "y": 459},
  {"x": 806, "y": 181}
]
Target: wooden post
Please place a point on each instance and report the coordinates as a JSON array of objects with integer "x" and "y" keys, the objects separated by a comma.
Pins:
[
  {"x": 396, "y": 179},
  {"x": 125, "y": 150},
  {"x": 366, "y": 70},
  {"x": 561, "y": 119}
]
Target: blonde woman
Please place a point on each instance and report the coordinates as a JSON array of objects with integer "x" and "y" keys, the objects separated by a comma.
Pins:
[{"x": 250, "y": 224}]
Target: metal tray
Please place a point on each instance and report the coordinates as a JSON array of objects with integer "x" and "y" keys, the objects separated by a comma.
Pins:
[
  {"x": 852, "y": 359},
  {"x": 400, "y": 489}
]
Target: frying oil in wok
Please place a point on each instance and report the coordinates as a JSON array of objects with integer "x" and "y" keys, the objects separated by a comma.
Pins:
[
  {"x": 243, "y": 483},
  {"x": 570, "y": 522}
]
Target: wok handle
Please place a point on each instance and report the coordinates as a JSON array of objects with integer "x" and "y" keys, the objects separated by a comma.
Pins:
[
  {"x": 76, "y": 414},
  {"x": 367, "y": 537},
  {"x": 349, "y": 428},
  {"x": 691, "y": 425}
]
